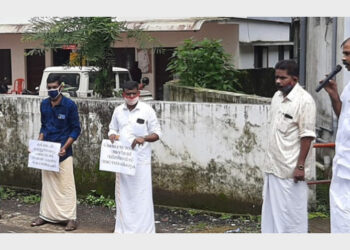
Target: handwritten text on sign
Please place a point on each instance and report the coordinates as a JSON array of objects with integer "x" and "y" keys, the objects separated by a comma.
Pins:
[
  {"x": 117, "y": 158},
  {"x": 44, "y": 155}
]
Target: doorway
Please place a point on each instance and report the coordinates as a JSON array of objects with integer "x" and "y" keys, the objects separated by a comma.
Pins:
[
  {"x": 161, "y": 75},
  {"x": 35, "y": 68}
]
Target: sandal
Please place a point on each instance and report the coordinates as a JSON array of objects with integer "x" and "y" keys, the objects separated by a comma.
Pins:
[
  {"x": 71, "y": 225},
  {"x": 38, "y": 222}
]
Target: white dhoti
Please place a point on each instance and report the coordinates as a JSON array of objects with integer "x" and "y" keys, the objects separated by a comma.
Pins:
[
  {"x": 339, "y": 199},
  {"x": 134, "y": 202},
  {"x": 284, "y": 208},
  {"x": 58, "y": 195}
]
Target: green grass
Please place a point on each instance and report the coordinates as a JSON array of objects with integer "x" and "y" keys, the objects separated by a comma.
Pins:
[
  {"x": 7, "y": 194},
  {"x": 31, "y": 199},
  {"x": 313, "y": 215},
  {"x": 93, "y": 198}
]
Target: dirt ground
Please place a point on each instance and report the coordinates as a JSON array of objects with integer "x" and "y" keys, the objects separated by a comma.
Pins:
[{"x": 16, "y": 218}]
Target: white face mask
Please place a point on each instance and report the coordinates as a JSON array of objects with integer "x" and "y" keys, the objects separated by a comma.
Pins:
[{"x": 132, "y": 101}]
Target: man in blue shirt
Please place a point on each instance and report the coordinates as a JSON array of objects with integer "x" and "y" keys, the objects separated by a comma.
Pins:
[{"x": 59, "y": 123}]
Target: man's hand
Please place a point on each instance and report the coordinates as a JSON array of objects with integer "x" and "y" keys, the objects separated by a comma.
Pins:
[
  {"x": 330, "y": 87},
  {"x": 113, "y": 138},
  {"x": 62, "y": 152},
  {"x": 298, "y": 175},
  {"x": 139, "y": 141}
]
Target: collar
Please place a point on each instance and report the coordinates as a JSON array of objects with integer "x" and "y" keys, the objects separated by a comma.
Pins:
[
  {"x": 137, "y": 106},
  {"x": 62, "y": 102}
]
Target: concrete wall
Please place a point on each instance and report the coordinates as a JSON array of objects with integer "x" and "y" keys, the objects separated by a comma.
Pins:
[
  {"x": 175, "y": 92},
  {"x": 209, "y": 156}
]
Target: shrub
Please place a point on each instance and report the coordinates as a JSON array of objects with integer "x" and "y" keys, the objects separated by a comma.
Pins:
[{"x": 204, "y": 64}]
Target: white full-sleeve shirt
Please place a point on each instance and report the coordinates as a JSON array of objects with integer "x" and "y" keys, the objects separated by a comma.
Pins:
[
  {"x": 342, "y": 141},
  {"x": 139, "y": 122}
]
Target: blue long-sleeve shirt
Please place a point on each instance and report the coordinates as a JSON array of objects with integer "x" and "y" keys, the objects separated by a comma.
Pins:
[{"x": 60, "y": 122}]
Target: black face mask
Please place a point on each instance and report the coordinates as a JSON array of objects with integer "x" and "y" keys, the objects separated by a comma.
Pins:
[{"x": 286, "y": 89}]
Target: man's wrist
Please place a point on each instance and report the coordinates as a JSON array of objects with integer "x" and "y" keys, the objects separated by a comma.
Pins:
[{"x": 300, "y": 167}]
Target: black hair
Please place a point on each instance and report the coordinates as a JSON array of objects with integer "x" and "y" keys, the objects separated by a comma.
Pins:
[
  {"x": 129, "y": 85},
  {"x": 290, "y": 65},
  {"x": 54, "y": 78},
  {"x": 345, "y": 41}
]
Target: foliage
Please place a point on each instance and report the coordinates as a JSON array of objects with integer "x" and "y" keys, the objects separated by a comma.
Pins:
[
  {"x": 93, "y": 37},
  {"x": 93, "y": 198},
  {"x": 8, "y": 194},
  {"x": 31, "y": 199},
  {"x": 204, "y": 64}
]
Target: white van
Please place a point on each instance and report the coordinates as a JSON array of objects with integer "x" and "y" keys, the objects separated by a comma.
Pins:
[{"x": 79, "y": 81}]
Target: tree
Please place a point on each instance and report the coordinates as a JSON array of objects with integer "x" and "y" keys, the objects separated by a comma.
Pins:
[
  {"x": 93, "y": 36},
  {"x": 204, "y": 64}
]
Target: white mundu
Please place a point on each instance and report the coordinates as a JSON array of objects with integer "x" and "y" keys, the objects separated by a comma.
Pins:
[
  {"x": 133, "y": 194},
  {"x": 339, "y": 192}
]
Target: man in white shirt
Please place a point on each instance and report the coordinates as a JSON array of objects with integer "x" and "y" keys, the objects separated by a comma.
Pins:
[
  {"x": 287, "y": 163},
  {"x": 135, "y": 123},
  {"x": 339, "y": 193}
]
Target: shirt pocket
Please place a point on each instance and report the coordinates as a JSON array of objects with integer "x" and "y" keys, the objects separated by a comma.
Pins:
[
  {"x": 60, "y": 122},
  {"x": 140, "y": 127},
  {"x": 284, "y": 125}
]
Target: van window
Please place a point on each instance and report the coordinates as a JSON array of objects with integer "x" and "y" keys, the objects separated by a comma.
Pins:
[
  {"x": 71, "y": 82},
  {"x": 123, "y": 77}
]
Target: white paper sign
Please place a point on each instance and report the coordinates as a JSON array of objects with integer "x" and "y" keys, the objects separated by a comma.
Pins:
[
  {"x": 44, "y": 155},
  {"x": 117, "y": 158}
]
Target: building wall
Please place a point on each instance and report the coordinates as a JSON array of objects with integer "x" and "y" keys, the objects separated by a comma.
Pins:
[
  {"x": 209, "y": 156},
  {"x": 273, "y": 56},
  {"x": 18, "y": 59},
  {"x": 246, "y": 60},
  {"x": 251, "y": 31},
  {"x": 319, "y": 53}
]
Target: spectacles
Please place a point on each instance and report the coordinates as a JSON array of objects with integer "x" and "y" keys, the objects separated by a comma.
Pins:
[{"x": 130, "y": 94}]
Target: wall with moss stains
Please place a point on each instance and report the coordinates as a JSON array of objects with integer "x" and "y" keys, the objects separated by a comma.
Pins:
[{"x": 208, "y": 157}]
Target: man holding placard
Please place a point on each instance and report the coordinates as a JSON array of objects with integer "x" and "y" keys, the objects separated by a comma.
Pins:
[
  {"x": 60, "y": 124},
  {"x": 135, "y": 125}
]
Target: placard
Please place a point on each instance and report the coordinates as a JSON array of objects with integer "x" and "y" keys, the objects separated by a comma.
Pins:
[
  {"x": 44, "y": 155},
  {"x": 117, "y": 158}
]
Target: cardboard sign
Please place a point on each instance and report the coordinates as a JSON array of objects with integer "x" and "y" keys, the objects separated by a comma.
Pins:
[
  {"x": 117, "y": 158},
  {"x": 44, "y": 155}
]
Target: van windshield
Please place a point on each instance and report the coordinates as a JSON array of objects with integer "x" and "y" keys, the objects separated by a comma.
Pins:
[{"x": 71, "y": 82}]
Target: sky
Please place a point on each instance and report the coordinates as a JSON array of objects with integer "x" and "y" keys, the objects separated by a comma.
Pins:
[{"x": 14, "y": 12}]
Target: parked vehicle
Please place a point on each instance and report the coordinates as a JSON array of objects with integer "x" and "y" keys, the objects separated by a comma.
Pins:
[
  {"x": 28, "y": 92},
  {"x": 79, "y": 81}
]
